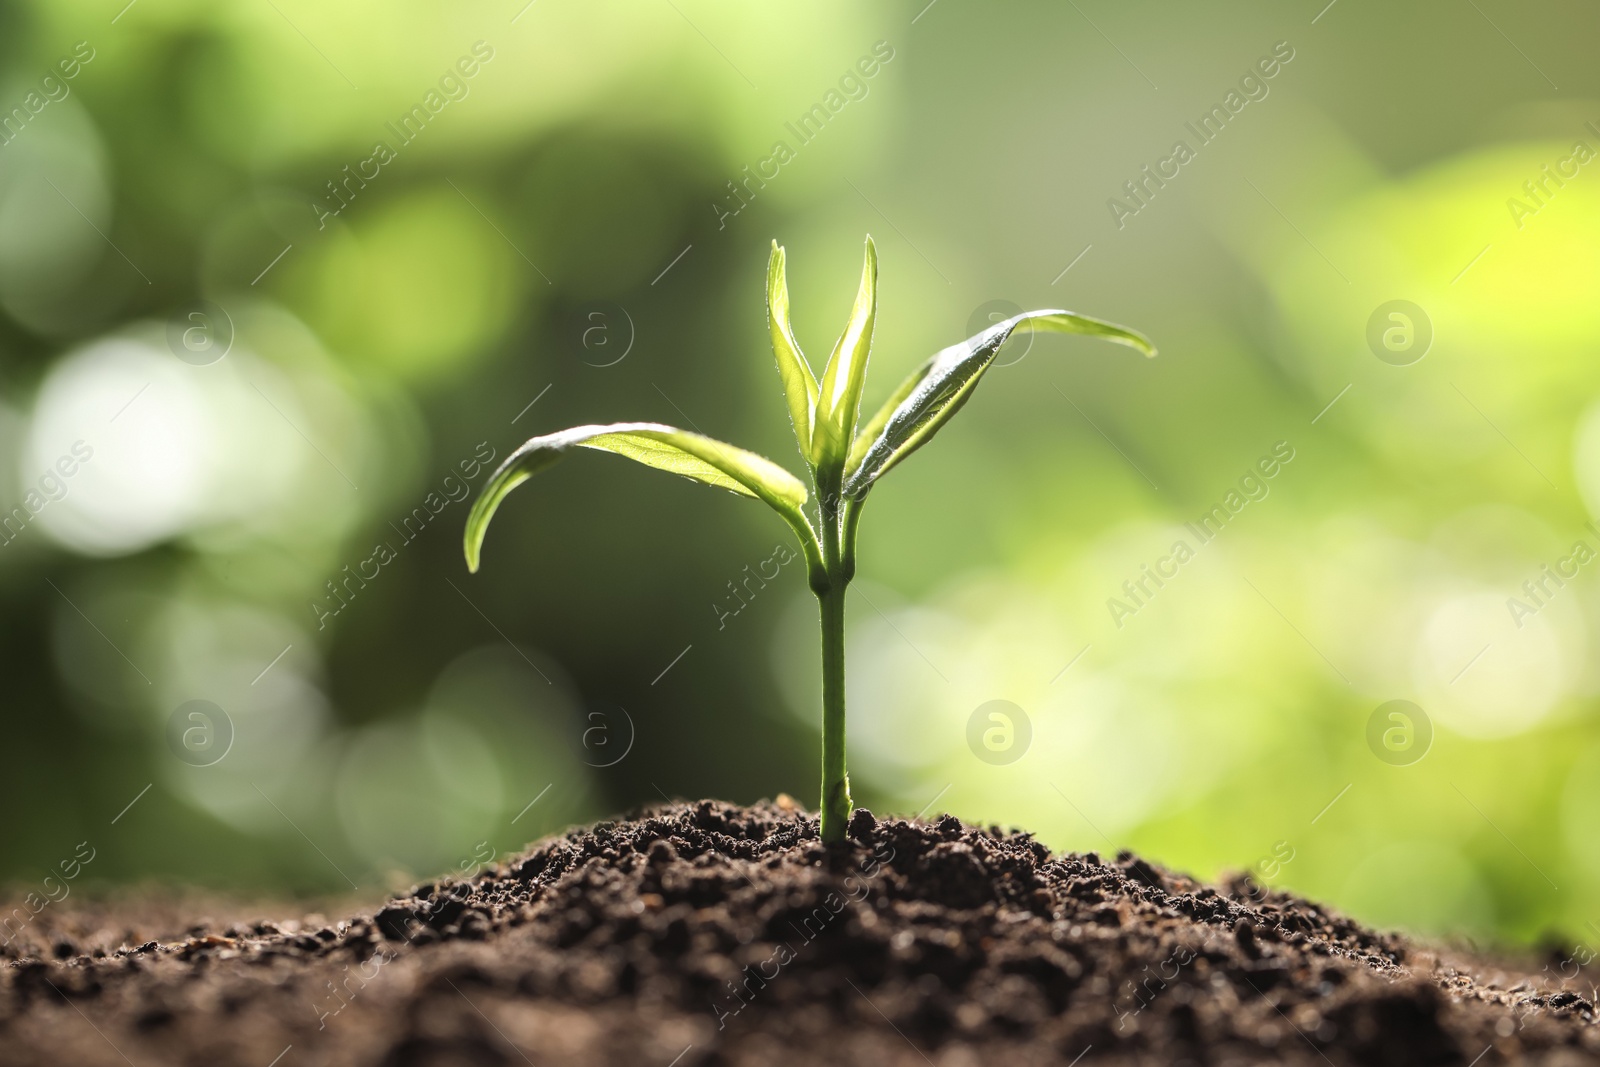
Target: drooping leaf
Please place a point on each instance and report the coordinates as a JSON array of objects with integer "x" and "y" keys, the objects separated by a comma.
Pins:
[
  {"x": 935, "y": 391},
  {"x": 799, "y": 384},
  {"x": 839, "y": 395},
  {"x": 655, "y": 445}
]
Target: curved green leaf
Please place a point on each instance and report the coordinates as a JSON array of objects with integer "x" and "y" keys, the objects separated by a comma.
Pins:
[
  {"x": 839, "y": 395},
  {"x": 655, "y": 445},
  {"x": 873, "y": 428},
  {"x": 799, "y": 384},
  {"x": 935, "y": 391}
]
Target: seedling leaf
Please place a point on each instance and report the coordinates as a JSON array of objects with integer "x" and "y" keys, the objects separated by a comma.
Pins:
[
  {"x": 935, "y": 391},
  {"x": 655, "y": 445},
  {"x": 799, "y": 384},
  {"x": 839, "y": 396},
  {"x": 873, "y": 428}
]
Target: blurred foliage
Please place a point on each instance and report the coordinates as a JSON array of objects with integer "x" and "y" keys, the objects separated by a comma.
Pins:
[{"x": 277, "y": 531}]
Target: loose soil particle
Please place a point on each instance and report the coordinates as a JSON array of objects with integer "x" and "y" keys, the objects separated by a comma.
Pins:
[{"x": 706, "y": 933}]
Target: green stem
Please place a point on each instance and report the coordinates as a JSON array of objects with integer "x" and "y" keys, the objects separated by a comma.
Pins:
[
  {"x": 830, "y": 583},
  {"x": 850, "y": 520},
  {"x": 835, "y": 781}
]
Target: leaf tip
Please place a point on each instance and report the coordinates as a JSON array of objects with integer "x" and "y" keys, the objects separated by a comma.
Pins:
[{"x": 777, "y": 283}]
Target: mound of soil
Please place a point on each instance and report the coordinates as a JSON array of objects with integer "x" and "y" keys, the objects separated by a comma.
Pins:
[{"x": 712, "y": 934}]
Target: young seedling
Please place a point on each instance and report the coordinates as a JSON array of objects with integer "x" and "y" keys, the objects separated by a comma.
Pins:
[{"x": 844, "y": 461}]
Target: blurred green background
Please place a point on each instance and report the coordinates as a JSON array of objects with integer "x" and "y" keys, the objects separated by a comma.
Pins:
[{"x": 273, "y": 331}]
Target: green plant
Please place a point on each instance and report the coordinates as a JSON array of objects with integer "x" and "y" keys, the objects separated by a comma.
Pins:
[{"x": 844, "y": 461}]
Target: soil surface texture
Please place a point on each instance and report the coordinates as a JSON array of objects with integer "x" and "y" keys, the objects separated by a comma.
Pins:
[{"x": 696, "y": 934}]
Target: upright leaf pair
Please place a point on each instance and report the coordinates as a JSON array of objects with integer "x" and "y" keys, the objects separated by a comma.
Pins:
[
  {"x": 844, "y": 462},
  {"x": 824, "y": 415}
]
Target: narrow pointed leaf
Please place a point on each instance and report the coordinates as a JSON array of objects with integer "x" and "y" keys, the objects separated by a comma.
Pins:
[
  {"x": 655, "y": 445},
  {"x": 873, "y": 428},
  {"x": 799, "y": 384},
  {"x": 839, "y": 395},
  {"x": 935, "y": 391}
]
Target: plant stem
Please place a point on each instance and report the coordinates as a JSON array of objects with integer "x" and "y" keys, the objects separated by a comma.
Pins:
[
  {"x": 838, "y": 559},
  {"x": 835, "y": 780}
]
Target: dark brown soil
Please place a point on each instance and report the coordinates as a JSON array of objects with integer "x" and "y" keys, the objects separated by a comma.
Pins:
[{"x": 714, "y": 934}]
